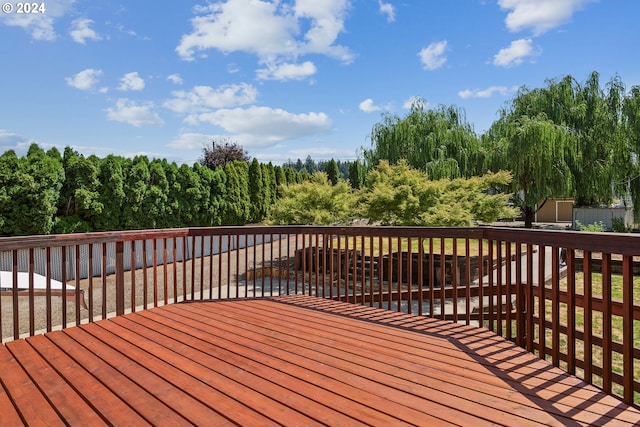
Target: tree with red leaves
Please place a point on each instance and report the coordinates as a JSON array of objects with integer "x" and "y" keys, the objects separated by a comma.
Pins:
[{"x": 222, "y": 152}]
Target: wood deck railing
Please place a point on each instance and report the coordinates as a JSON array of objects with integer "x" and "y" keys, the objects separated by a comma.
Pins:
[{"x": 582, "y": 313}]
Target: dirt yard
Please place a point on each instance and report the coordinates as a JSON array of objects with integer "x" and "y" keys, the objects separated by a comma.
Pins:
[{"x": 139, "y": 292}]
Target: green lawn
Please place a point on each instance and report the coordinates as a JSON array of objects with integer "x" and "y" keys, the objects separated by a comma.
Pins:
[
  {"x": 437, "y": 245},
  {"x": 597, "y": 326}
]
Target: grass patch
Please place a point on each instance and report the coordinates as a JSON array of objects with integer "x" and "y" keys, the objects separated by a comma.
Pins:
[
  {"x": 366, "y": 245},
  {"x": 597, "y": 329}
]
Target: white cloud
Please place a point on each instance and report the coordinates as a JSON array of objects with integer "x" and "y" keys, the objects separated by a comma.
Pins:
[
  {"x": 239, "y": 25},
  {"x": 80, "y": 31},
  {"x": 13, "y": 141},
  {"x": 131, "y": 81},
  {"x": 433, "y": 56},
  {"x": 137, "y": 115},
  {"x": 270, "y": 30},
  {"x": 516, "y": 53},
  {"x": 539, "y": 15},
  {"x": 368, "y": 106},
  {"x": 264, "y": 126},
  {"x": 192, "y": 141},
  {"x": 39, "y": 25},
  {"x": 487, "y": 93},
  {"x": 125, "y": 30},
  {"x": 204, "y": 98},
  {"x": 85, "y": 79},
  {"x": 286, "y": 72},
  {"x": 175, "y": 79},
  {"x": 388, "y": 10}
]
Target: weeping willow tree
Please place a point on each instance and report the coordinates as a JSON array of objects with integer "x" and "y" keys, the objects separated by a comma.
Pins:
[
  {"x": 631, "y": 119},
  {"x": 439, "y": 141},
  {"x": 593, "y": 114},
  {"x": 598, "y": 156},
  {"x": 538, "y": 153},
  {"x": 602, "y": 154},
  {"x": 443, "y": 166}
]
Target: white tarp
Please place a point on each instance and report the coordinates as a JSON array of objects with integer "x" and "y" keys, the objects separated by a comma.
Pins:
[{"x": 39, "y": 284}]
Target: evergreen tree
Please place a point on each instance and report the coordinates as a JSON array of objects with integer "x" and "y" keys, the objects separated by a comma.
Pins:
[
  {"x": 271, "y": 185},
  {"x": 214, "y": 190},
  {"x": 332, "y": 171},
  {"x": 266, "y": 184},
  {"x": 356, "y": 175},
  {"x": 237, "y": 204},
  {"x": 174, "y": 193},
  {"x": 154, "y": 203},
  {"x": 310, "y": 165},
  {"x": 29, "y": 191},
  {"x": 343, "y": 167},
  {"x": 136, "y": 187},
  {"x": 191, "y": 196},
  {"x": 281, "y": 177},
  {"x": 291, "y": 176},
  {"x": 112, "y": 194},
  {"x": 79, "y": 202},
  {"x": 257, "y": 192}
]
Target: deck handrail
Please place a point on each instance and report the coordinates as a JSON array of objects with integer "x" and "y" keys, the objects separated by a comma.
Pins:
[{"x": 580, "y": 313}]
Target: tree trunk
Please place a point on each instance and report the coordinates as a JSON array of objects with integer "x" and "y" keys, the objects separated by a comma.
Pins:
[{"x": 529, "y": 216}]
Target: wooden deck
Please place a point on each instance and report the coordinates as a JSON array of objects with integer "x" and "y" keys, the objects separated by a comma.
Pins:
[{"x": 293, "y": 361}]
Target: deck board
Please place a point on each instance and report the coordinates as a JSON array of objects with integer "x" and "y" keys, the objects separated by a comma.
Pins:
[
  {"x": 409, "y": 383},
  {"x": 265, "y": 379},
  {"x": 25, "y": 396},
  {"x": 211, "y": 387},
  {"x": 118, "y": 385},
  {"x": 267, "y": 361},
  {"x": 158, "y": 378},
  {"x": 292, "y": 360},
  {"x": 72, "y": 407},
  {"x": 349, "y": 371},
  {"x": 474, "y": 376},
  {"x": 103, "y": 402}
]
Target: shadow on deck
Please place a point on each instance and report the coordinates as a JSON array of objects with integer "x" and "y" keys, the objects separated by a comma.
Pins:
[{"x": 290, "y": 360}]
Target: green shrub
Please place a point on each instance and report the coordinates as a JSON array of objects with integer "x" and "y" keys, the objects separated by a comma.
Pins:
[
  {"x": 618, "y": 225},
  {"x": 596, "y": 227}
]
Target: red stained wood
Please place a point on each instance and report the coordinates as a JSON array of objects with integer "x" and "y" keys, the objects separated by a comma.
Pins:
[
  {"x": 295, "y": 360},
  {"x": 9, "y": 415},
  {"x": 96, "y": 394},
  {"x": 72, "y": 407},
  {"x": 27, "y": 400}
]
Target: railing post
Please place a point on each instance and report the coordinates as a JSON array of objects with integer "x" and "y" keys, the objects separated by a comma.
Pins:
[
  {"x": 607, "y": 352},
  {"x": 627, "y": 329},
  {"x": 571, "y": 311},
  {"x": 530, "y": 310},
  {"x": 119, "y": 278}
]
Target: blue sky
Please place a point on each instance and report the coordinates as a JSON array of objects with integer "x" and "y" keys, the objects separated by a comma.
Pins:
[{"x": 284, "y": 78}]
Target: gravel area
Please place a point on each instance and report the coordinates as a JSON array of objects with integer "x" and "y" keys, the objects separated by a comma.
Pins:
[{"x": 100, "y": 294}]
